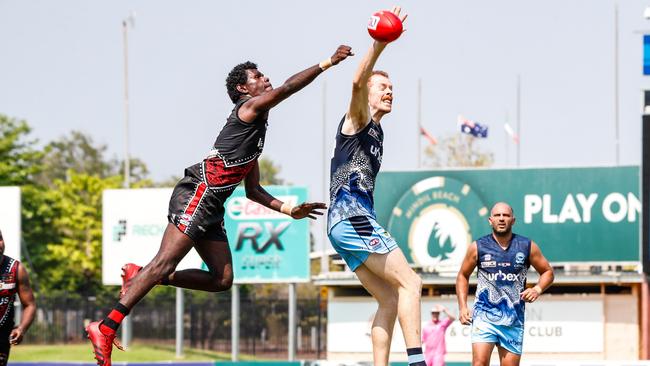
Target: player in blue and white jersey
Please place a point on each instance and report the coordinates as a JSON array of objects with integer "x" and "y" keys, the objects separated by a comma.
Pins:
[
  {"x": 353, "y": 230},
  {"x": 503, "y": 259}
]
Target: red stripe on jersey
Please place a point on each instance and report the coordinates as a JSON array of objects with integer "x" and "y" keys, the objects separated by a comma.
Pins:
[
  {"x": 218, "y": 175},
  {"x": 194, "y": 203},
  {"x": 200, "y": 190}
]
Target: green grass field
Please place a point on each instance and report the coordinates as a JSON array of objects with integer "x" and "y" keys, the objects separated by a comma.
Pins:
[{"x": 136, "y": 353}]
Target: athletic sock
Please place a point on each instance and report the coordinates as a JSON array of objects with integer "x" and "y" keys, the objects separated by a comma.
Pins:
[
  {"x": 113, "y": 320},
  {"x": 416, "y": 358}
]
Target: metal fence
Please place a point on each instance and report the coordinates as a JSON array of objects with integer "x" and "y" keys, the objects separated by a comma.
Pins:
[{"x": 207, "y": 322}]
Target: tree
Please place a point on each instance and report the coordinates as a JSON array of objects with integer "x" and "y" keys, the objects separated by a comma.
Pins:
[
  {"x": 72, "y": 261},
  {"x": 459, "y": 150},
  {"x": 19, "y": 158},
  {"x": 269, "y": 172},
  {"x": 77, "y": 152}
]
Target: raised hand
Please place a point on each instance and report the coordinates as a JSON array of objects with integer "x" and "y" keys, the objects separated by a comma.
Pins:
[
  {"x": 341, "y": 54},
  {"x": 397, "y": 10},
  {"x": 308, "y": 209}
]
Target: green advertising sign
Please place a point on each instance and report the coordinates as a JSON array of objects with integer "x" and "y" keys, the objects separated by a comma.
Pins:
[
  {"x": 267, "y": 246},
  {"x": 574, "y": 214}
]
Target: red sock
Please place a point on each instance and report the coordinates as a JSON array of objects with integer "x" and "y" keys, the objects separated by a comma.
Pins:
[{"x": 113, "y": 320}]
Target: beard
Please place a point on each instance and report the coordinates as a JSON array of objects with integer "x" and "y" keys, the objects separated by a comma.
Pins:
[{"x": 502, "y": 232}]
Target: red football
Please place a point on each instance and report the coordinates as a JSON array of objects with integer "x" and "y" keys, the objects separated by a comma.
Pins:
[{"x": 384, "y": 26}]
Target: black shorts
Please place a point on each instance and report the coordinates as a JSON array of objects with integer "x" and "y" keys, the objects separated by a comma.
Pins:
[
  {"x": 196, "y": 209},
  {"x": 5, "y": 347}
]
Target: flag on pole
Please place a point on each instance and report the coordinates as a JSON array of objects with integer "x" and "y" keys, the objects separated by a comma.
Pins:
[
  {"x": 511, "y": 133},
  {"x": 428, "y": 136},
  {"x": 472, "y": 128}
]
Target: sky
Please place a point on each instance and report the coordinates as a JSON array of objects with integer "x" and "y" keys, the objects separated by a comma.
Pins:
[{"x": 62, "y": 69}]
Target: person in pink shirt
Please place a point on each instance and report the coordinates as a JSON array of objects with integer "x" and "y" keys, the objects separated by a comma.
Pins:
[{"x": 433, "y": 337}]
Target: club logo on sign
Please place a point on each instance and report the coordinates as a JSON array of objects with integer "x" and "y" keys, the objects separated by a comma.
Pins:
[{"x": 432, "y": 222}]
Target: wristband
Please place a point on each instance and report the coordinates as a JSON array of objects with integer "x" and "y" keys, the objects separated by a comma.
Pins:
[
  {"x": 286, "y": 208},
  {"x": 538, "y": 289},
  {"x": 325, "y": 64}
]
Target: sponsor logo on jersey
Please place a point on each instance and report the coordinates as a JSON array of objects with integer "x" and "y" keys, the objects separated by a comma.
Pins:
[
  {"x": 375, "y": 151},
  {"x": 487, "y": 257},
  {"x": 502, "y": 276},
  {"x": 490, "y": 264},
  {"x": 504, "y": 264},
  {"x": 374, "y": 242},
  {"x": 374, "y": 134},
  {"x": 520, "y": 258}
]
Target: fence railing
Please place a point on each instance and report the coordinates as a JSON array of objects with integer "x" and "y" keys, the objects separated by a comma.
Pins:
[{"x": 207, "y": 323}]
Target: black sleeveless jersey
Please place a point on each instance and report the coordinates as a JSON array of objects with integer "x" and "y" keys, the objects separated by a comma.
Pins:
[
  {"x": 240, "y": 142},
  {"x": 235, "y": 150},
  {"x": 354, "y": 168},
  {"x": 8, "y": 290}
]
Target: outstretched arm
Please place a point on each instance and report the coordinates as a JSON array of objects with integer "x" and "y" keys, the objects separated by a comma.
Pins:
[
  {"x": 357, "y": 114},
  {"x": 462, "y": 283},
  {"x": 28, "y": 303},
  {"x": 255, "y": 192},
  {"x": 262, "y": 103},
  {"x": 546, "y": 276}
]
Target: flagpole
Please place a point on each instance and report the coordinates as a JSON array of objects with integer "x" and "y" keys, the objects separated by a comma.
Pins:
[
  {"x": 507, "y": 142},
  {"x": 419, "y": 120},
  {"x": 324, "y": 258},
  {"x": 519, "y": 119}
]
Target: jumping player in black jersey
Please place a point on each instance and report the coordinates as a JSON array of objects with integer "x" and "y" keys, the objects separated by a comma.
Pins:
[
  {"x": 13, "y": 280},
  {"x": 353, "y": 230},
  {"x": 196, "y": 208}
]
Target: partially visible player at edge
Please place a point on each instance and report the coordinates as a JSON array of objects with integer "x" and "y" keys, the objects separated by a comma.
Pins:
[
  {"x": 352, "y": 227},
  {"x": 503, "y": 259},
  {"x": 196, "y": 207},
  {"x": 13, "y": 280}
]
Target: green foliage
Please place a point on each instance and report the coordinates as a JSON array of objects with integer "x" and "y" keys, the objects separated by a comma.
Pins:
[
  {"x": 19, "y": 158},
  {"x": 459, "y": 150},
  {"x": 269, "y": 172},
  {"x": 77, "y": 152},
  {"x": 74, "y": 258}
]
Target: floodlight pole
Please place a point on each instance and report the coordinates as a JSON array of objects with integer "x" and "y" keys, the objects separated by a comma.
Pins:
[
  {"x": 127, "y": 323},
  {"x": 180, "y": 309},
  {"x": 419, "y": 127},
  {"x": 292, "y": 321},
  {"x": 616, "y": 77},
  {"x": 234, "y": 330},
  {"x": 125, "y": 44},
  {"x": 519, "y": 120},
  {"x": 324, "y": 258}
]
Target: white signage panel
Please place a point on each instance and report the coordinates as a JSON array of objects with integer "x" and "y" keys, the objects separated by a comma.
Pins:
[
  {"x": 552, "y": 325},
  {"x": 133, "y": 223},
  {"x": 10, "y": 220}
]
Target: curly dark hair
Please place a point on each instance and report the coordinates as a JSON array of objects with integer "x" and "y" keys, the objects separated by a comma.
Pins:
[{"x": 237, "y": 76}]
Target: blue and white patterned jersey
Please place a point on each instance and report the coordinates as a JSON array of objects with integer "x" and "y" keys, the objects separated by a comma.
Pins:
[
  {"x": 501, "y": 280},
  {"x": 354, "y": 168}
]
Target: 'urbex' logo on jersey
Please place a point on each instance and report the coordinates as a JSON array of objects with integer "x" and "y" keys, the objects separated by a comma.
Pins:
[
  {"x": 432, "y": 222},
  {"x": 501, "y": 276}
]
